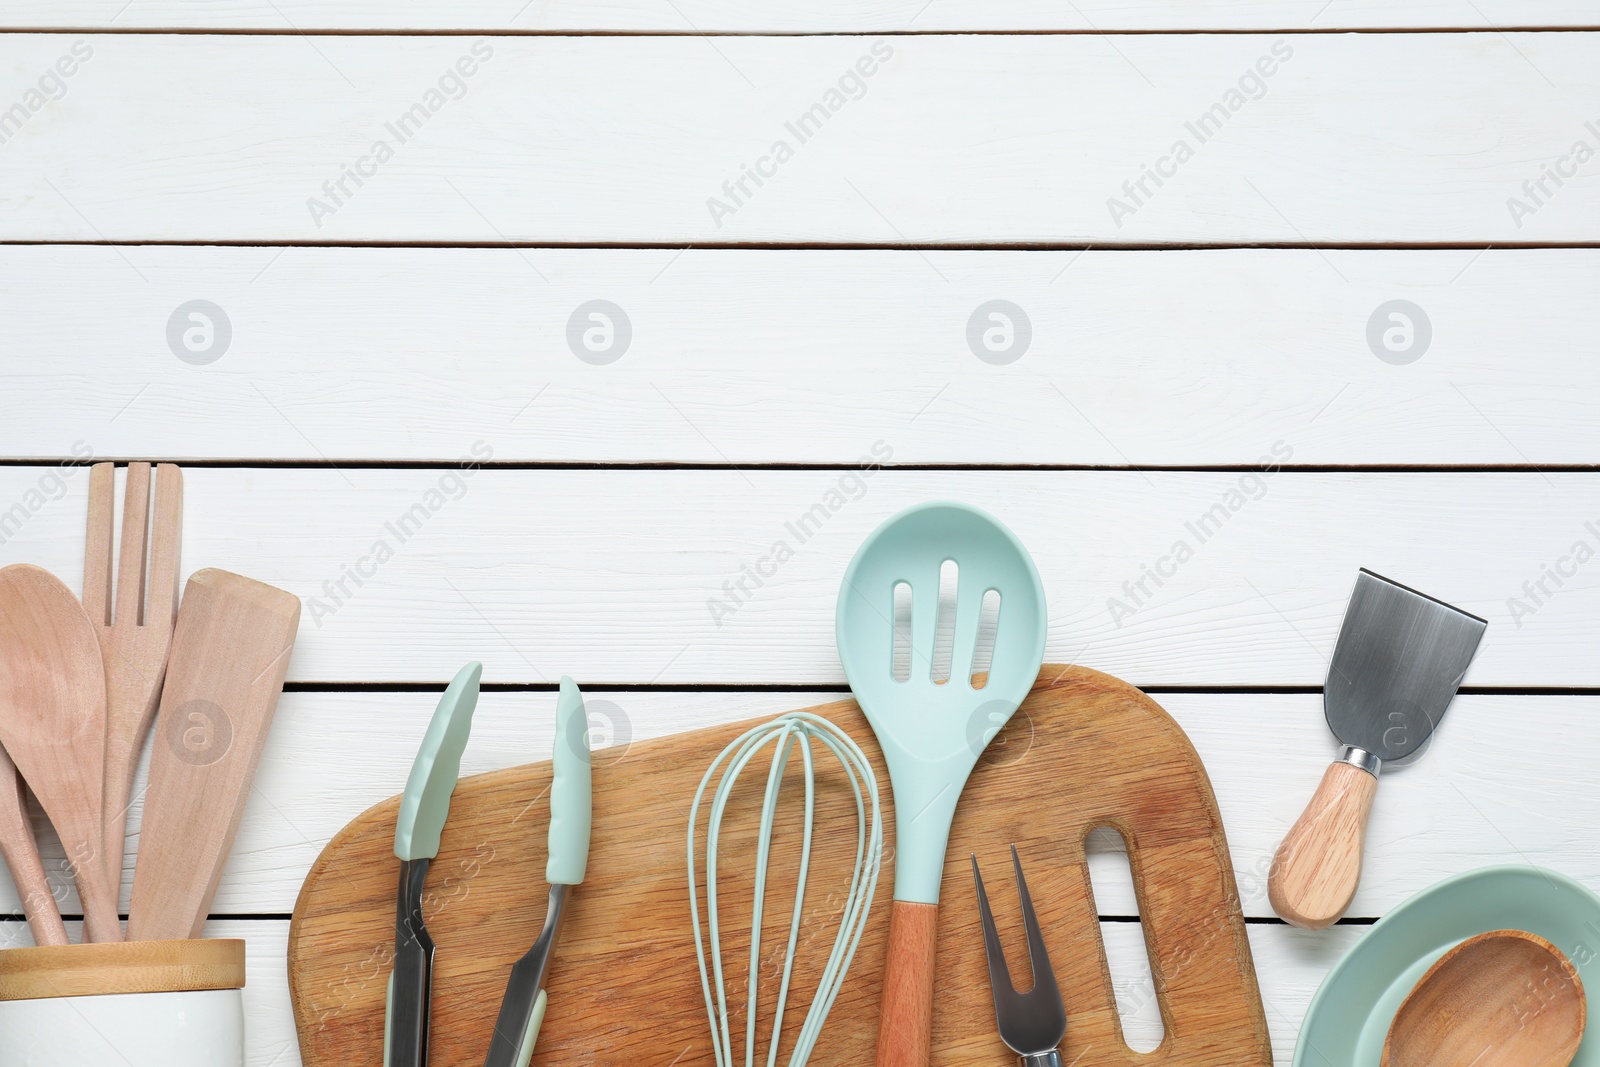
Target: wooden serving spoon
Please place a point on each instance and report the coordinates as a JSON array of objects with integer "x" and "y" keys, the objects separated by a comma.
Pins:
[
  {"x": 53, "y": 724},
  {"x": 1502, "y": 999}
]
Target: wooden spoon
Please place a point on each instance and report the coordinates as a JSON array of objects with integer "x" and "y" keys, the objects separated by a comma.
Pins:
[
  {"x": 22, "y": 857},
  {"x": 53, "y": 724},
  {"x": 1501, "y": 999}
]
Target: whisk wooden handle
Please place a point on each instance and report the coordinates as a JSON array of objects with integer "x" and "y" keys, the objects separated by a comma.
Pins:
[
  {"x": 1318, "y": 865},
  {"x": 905, "y": 1013}
]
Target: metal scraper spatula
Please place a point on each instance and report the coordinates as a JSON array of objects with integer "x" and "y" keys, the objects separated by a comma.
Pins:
[{"x": 1397, "y": 666}]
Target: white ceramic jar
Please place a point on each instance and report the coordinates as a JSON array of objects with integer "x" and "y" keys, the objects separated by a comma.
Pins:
[{"x": 141, "y": 1003}]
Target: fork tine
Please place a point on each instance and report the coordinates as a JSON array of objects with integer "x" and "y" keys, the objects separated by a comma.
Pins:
[
  {"x": 97, "y": 543},
  {"x": 1031, "y": 1024},
  {"x": 999, "y": 973},
  {"x": 1038, "y": 956},
  {"x": 166, "y": 544},
  {"x": 131, "y": 563}
]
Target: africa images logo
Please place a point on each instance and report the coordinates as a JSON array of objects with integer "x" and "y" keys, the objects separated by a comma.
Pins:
[
  {"x": 48, "y": 88},
  {"x": 450, "y": 85},
  {"x": 850, "y": 85},
  {"x": 1251, "y": 85}
]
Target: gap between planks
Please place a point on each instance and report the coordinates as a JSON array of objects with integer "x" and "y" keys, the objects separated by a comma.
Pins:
[
  {"x": 688, "y": 465},
  {"x": 813, "y": 246},
  {"x": 1299, "y": 31}
]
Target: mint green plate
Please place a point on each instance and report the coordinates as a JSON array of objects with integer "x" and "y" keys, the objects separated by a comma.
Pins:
[{"x": 1350, "y": 1015}]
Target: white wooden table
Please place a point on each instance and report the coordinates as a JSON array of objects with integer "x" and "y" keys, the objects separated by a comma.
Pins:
[{"x": 664, "y": 275}]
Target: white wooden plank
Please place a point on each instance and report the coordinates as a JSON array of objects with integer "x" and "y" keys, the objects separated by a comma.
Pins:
[
  {"x": 828, "y": 16},
  {"x": 1290, "y": 964},
  {"x": 1468, "y": 802},
  {"x": 630, "y": 576},
  {"x": 1149, "y": 358},
  {"x": 268, "y": 1017},
  {"x": 1351, "y": 138}
]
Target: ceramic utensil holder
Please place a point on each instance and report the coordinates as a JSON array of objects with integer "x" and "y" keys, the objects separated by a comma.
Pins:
[{"x": 142, "y": 1003}]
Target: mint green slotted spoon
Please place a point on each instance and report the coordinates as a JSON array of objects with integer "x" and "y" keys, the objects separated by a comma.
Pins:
[{"x": 932, "y": 733}]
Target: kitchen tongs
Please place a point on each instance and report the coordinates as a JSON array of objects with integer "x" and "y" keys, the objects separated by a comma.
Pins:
[
  {"x": 423, "y": 809},
  {"x": 571, "y": 813}
]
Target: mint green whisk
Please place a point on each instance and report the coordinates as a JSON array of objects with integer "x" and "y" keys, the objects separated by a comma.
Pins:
[{"x": 796, "y": 730}]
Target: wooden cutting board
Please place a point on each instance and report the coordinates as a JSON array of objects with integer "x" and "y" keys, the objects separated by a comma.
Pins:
[{"x": 1084, "y": 750}]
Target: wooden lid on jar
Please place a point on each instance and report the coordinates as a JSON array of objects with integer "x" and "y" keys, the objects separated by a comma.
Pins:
[{"x": 121, "y": 967}]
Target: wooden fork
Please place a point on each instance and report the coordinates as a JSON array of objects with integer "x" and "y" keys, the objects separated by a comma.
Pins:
[{"x": 136, "y": 628}]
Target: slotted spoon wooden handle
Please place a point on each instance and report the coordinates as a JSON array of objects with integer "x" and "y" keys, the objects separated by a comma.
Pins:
[
  {"x": 230, "y": 654},
  {"x": 905, "y": 1014}
]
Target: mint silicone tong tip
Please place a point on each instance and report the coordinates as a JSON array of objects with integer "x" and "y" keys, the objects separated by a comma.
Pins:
[
  {"x": 571, "y": 784},
  {"x": 426, "y": 801}
]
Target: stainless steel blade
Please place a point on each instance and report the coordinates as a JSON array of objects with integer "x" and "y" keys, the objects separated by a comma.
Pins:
[{"x": 1397, "y": 666}]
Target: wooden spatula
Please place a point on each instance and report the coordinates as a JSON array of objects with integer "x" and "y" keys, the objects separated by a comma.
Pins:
[
  {"x": 136, "y": 628},
  {"x": 230, "y": 654}
]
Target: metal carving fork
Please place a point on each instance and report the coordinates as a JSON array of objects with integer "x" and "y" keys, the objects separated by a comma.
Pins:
[{"x": 1031, "y": 1024}]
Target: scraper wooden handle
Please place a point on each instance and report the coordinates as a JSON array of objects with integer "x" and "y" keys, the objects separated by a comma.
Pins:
[
  {"x": 1318, "y": 865},
  {"x": 905, "y": 1014}
]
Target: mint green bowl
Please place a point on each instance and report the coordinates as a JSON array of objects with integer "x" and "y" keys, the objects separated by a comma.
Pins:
[{"x": 1350, "y": 1015}]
